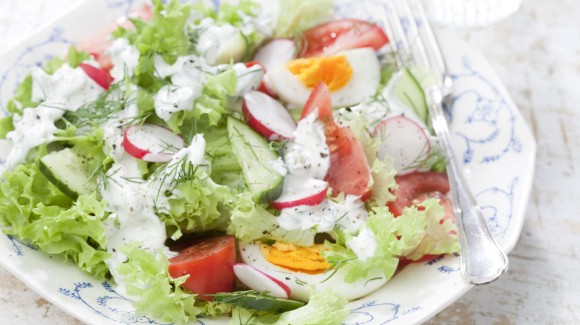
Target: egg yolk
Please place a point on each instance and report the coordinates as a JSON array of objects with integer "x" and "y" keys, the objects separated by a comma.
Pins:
[
  {"x": 335, "y": 71},
  {"x": 295, "y": 258}
]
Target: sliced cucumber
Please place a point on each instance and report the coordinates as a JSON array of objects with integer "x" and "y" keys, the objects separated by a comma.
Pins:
[
  {"x": 258, "y": 301},
  {"x": 409, "y": 91},
  {"x": 67, "y": 171},
  {"x": 257, "y": 160}
]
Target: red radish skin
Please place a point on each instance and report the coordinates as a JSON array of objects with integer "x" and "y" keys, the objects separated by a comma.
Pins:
[
  {"x": 267, "y": 116},
  {"x": 276, "y": 53},
  {"x": 100, "y": 76},
  {"x": 403, "y": 140},
  {"x": 311, "y": 192},
  {"x": 260, "y": 281},
  {"x": 151, "y": 143}
]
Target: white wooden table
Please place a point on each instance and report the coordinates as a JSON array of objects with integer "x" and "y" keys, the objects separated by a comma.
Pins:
[{"x": 537, "y": 55}]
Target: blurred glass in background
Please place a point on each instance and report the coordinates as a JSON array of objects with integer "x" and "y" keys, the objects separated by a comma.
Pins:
[{"x": 470, "y": 13}]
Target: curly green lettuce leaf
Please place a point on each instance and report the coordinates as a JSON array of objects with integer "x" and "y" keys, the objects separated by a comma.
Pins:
[
  {"x": 34, "y": 210},
  {"x": 299, "y": 15},
  {"x": 76, "y": 233},
  {"x": 227, "y": 12},
  {"x": 250, "y": 221},
  {"x": 157, "y": 294},
  {"x": 323, "y": 308},
  {"x": 213, "y": 308},
  {"x": 73, "y": 58},
  {"x": 383, "y": 225},
  {"x": 417, "y": 232},
  {"x": 439, "y": 238},
  {"x": 6, "y": 125},
  {"x": 22, "y": 97},
  {"x": 164, "y": 35},
  {"x": 211, "y": 105},
  {"x": 197, "y": 207}
]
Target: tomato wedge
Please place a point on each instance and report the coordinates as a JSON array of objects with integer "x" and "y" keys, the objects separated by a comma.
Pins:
[
  {"x": 100, "y": 76},
  {"x": 416, "y": 187},
  {"x": 349, "y": 170},
  {"x": 209, "y": 263},
  {"x": 339, "y": 35}
]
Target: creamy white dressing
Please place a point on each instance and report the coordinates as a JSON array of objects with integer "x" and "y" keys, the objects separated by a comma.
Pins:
[
  {"x": 219, "y": 44},
  {"x": 188, "y": 77},
  {"x": 187, "y": 71},
  {"x": 279, "y": 166},
  {"x": 194, "y": 154},
  {"x": 364, "y": 244},
  {"x": 133, "y": 202},
  {"x": 114, "y": 127},
  {"x": 66, "y": 90},
  {"x": 171, "y": 99},
  {"x": 249, "y": 78},
  {"x": 124, "y": 57},
  {"x": 308, "y": 155},
  {"x": 373, "y": 112},
  {"x": 349, "y": 214},
  {"x": 128, "y": 197}
]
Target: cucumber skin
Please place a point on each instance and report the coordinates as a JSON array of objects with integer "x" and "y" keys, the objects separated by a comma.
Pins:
[
  {"x": 422, "y": 111},
  {"x": 62, "y": 186},
  {"x": 259, "y": 302},
  {"x": 274, "y": 190}
]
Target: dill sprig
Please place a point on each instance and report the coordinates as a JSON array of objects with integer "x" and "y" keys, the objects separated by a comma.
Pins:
[
  {"x": 174, "y": 173},
  {"x": 107, "y": 104},
  {"x": 106, "y": 107},
  {"x": 435, "y": 160},
  {"x": 337, "y": 266},
  {"x": 233, "y": 297}
]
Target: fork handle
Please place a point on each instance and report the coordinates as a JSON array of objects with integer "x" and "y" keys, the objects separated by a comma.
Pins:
[{"x": 482, "y": 260}]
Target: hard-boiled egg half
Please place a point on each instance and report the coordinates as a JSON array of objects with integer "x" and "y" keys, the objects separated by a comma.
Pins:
[
  {"x": 351, "y": 77},
  {"x": 302, "y": 267}
]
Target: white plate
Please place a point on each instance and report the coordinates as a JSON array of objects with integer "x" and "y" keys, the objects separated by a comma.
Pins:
[{"x": 495, "y": 145}]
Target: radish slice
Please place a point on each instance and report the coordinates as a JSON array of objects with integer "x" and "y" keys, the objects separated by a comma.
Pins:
[
  {"x": 275, "y": 53},
  {"x": 260, "y": 281},
  {"x": 263, "y": 86},
  {"x": 267, "y": 116},
  {"x": 151, "y": 142},
  {"x": 299, "y": 191},
  {"x": 404, "y": 141},
  {"x": 100, "y": 76}
]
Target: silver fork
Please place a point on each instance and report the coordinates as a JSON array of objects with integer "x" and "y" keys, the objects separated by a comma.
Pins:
[{"x": 415, "y": 44}]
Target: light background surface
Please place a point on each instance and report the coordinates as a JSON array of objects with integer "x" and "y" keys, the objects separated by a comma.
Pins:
[{"x": 537, "y": 55}]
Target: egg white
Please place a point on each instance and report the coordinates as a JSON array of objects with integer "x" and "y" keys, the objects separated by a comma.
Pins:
[
  {"x": 362, "y": 84},
  {"x": 299, "y": 282}
]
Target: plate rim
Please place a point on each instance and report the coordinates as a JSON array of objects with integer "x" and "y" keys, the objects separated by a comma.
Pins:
[{"x": 461, "y": 287}]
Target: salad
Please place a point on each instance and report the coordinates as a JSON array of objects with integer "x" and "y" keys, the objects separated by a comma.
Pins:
[{"x": 261, "y": 160}]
